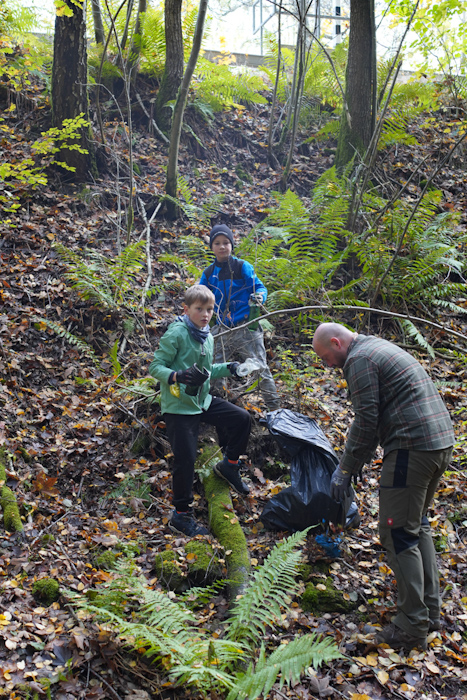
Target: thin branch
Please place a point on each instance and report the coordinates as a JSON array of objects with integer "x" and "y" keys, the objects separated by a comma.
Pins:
[
  {"x": 148, "y": 246},
  {"x": 340, "y": 307},
  {"x": 160, "y": 134},
  {"x": 412, "y": 213}
]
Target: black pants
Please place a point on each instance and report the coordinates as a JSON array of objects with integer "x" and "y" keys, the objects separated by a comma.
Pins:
[{"x": 233, "y": 426}]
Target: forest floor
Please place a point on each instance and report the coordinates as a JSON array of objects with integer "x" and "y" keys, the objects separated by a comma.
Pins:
[{"x": 73, "y": 439}]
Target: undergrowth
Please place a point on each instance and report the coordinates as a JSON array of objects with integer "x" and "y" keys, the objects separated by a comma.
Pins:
[{"x": 235, "y": 662}]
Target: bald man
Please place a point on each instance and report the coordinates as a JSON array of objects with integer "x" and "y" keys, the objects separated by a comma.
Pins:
[{"x": 397, "y": 406}]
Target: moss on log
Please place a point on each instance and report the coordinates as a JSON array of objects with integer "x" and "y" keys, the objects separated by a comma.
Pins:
[
  {"x": 11, "y": 516},
  {"x": 225, "y": 527}
]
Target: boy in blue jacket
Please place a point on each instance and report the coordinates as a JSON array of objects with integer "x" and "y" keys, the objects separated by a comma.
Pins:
[
  {"x": 235, "y": 286},
  {"x": 183, "y": 364}
]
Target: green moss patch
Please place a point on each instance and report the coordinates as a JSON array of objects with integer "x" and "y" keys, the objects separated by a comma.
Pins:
[
  {"x": 324, "y": 598},
  {"x": 196, "y": 565},
  {"x": 8, "y": 503},
  {"x": 167, "y": 566},
  {"x": 106, "y": 560},
  {"x": 46, "y": 591},
  {"x": 202, "y": 563}
]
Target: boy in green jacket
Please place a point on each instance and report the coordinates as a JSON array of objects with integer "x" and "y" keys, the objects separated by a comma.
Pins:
[{"x": 183, "y": 364}]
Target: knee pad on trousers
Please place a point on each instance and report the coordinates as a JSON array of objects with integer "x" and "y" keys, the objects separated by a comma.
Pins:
[{"x": 403, "y": 540}]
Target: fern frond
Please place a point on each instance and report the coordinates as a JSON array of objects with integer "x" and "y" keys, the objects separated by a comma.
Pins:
[
  {"x": 285, "y": 666},
  {"x": 395, "y": 130},
  {"x": 217, "y": 86},
  {"x": 414, "y": 333},
  {"x": 108, "y": 282},
  {"x": 269, "y": 589},
  {"x": 82, "y": 346},
  {"x": 196, "y": 250},
  {"x": 145, "y": 388}
]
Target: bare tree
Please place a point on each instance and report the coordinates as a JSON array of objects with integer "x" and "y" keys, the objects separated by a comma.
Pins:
[
  {"x": 99, "y": 32},
  {"x": 172, "y": 165},
  {"x": 361, "y": 83}
]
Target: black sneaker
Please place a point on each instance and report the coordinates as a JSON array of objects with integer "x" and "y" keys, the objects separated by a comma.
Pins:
[
  {"x": 230, "y": 473},
  {"x": 185, "y": 524},
  {"x": 396, "y": 638}
]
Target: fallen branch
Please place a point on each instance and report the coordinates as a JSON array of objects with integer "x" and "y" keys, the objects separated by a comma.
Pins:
[
  {"x": 340, "y": 307},
  {"x": 224, "y": 524}
]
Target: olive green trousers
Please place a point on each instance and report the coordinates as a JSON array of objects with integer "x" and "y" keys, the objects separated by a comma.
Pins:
[{"x": 408, "y": 483}]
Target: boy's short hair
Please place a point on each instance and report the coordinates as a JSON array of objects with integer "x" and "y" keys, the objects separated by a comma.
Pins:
[{"x": 198, "y": 293}]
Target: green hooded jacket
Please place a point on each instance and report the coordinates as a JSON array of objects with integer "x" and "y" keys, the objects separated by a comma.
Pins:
[{"x": 178, "y": 350}]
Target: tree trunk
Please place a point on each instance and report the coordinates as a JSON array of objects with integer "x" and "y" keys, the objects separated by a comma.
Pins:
[
  {"x": 173, "y": 70},
  {"x": 135, "y": 46},
  {"x": 69, "y": 87},
  {"x": 360, "y": 85},
  {"x": 99, "y": 32},
  {"x": 172, "y": 165}
]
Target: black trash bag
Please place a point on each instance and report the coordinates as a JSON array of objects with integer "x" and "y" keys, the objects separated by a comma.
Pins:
[{"x": 308, "y": 500}]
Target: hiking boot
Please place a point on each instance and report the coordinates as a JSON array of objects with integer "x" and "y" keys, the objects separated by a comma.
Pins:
[
  {"x": 435, "y": 625},
  {"x": 185, "y": 524},
  {"x": 396, "y": 638},
  {"x": 230, "y": 472}
]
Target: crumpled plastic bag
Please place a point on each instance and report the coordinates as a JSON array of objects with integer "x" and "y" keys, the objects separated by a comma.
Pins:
[{"x": 308, "y": 500}]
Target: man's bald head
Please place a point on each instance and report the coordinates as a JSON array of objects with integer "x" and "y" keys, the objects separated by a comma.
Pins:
[{"x": 331, "y": 343}]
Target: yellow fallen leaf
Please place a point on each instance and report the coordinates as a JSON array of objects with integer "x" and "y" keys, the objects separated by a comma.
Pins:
[
  {"x": 371, "y": 660},
  {"x": 359, "y": 696},
  {"x": 383, "y": 677},
  {"x": 191, "y": 556},
  {"x": 321, "y": 586}
]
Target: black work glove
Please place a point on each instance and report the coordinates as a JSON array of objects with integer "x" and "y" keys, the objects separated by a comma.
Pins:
[
  {"x": 340, "y": 484},
  {"x": 232, "y": 367},
  {"x": 192, "y": 376}
]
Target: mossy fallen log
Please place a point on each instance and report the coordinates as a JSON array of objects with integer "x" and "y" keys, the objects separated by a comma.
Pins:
[
  {"x": 224, "y": 524},
  {"x": 8, "y": 503}
]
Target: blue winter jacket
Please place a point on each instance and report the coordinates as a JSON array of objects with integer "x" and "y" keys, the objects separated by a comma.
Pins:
[{"x": 232, "y": 282}]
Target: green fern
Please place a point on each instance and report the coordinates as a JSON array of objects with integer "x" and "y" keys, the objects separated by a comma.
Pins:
[
  {"x": 163, "y": 628},
  {"x": 218, "y": 87},
  {"x": 111, "y": 283},
  {"x": 144, "y": 388},
  {"x": 412, "y": 331},
  {"x": 395, "y": 130},
  {"x": 285, "y": 666},
  {"x": 62, "y": 332},
  {"x": 199, "y": 215},
  {"x": 260, "y": 605}
]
